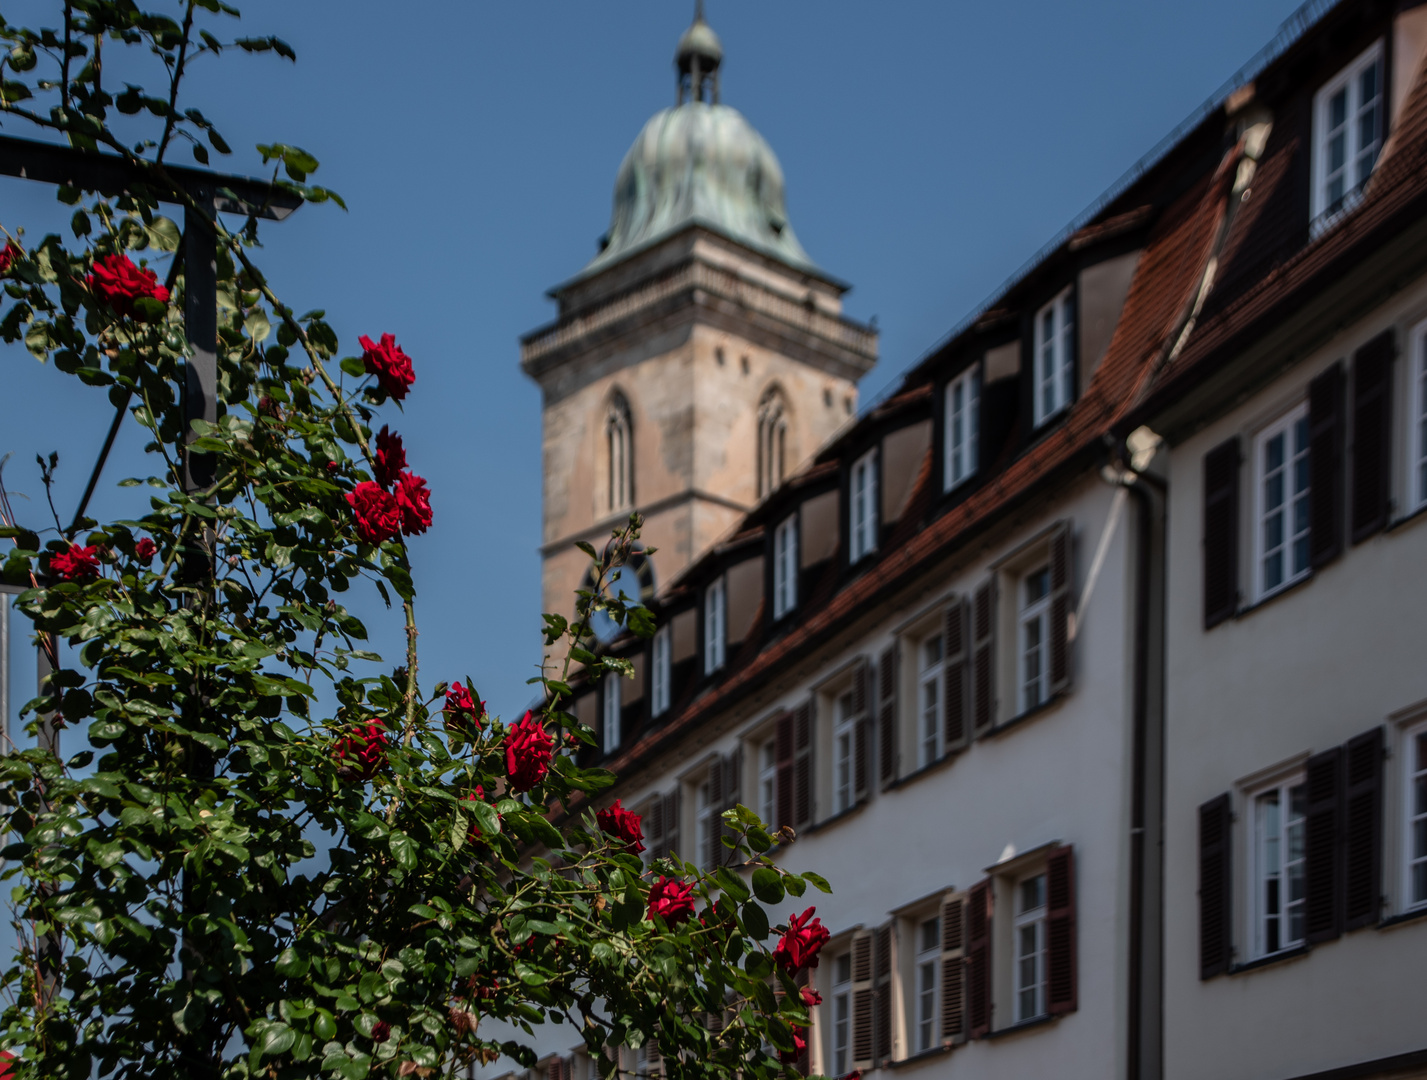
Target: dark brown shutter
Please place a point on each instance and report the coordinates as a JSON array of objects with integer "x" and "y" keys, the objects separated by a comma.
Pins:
[
  {"x": 802, "y": 766},
  {"x": 954, "y": 676},
  {"x": 1221, "y": 533},
  {"x": 983, "y": 681},
  {"x": 882, "y": 994},
  {"x": 1325, "y": 466},
  {"x": 553, "y": 1069},
  {"x": 953, "y": 970},
  {"x": 978, "y": 960},
  {"x": 712, "y": 855},
  {"x": 887, "y": 719},
  {"x": 1216, "y": 902},
  {"x": 862, "y": 1000},
  {"x": 1362, "y": 830},
  {"x": 783, "y": 748},
  {"x": 1372, "y": 435},
  {"x": 862, "y": 733},
  {"x": 1060, "y": 931},
  {"x": 1060, "y": 609},
  {"x": 672, "y": 805},
  {"x": 1323, "y": 854},
  {"x": 732, "y": 789}
]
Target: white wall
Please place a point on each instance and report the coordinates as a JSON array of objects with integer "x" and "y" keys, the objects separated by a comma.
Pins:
[{"x": 1307, "y": 670}]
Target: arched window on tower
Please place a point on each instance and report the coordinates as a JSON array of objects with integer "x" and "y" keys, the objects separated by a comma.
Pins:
[
  {"x": 619, "y": 453},
  {"x": 772, "y": 440}
]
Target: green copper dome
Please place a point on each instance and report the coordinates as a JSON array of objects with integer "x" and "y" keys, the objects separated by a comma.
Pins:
[{"x": 700, "y": 163}]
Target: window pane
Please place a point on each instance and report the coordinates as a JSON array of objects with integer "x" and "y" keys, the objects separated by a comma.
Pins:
[
  {"x": 930, "y": 935},
  {"x": 1338, "y": 108}
]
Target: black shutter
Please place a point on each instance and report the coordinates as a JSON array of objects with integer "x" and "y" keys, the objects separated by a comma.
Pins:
[
  {"x": 1221, "y": 533},
  {"x": 1060, "y": 609},
  {"x": 672, "y": 809},
  {"x": 1060, "y": 931},
  {"x": 978, "y": 960},
  {"x": 862, "y": 1000},
  {"x": 1372, "y": 435},
  {"x": 887, "y": 718},
  {"x": 882, "y": 995},
  {"x": 783, "y": 748},
  {"x": 712, "y": 855},
  {"x": 802, "y": 766},
  {"x": 953, "y": 970},
  {"x": 1216, "y": 904},
  {"x": 1362, "y": 830},
  {"x": 654, "y": 828},
  {"x": 862, "y": 734},
  {"x": 732, "y": 790},
  {"x": 1322, "y": 855},
  {"x": 955, "y": 685},
  {"x": 1325, "y": 466},
  {"x": 983, "y": 675}
]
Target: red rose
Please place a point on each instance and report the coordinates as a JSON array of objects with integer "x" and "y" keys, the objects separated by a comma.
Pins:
[
  {"x": 810, "y": 996},
  {"x": 389, "y": 364},
  {"x": 671, "y": 900},
  {"x": 76, "y": 564},
  {"x": 415, "y": 502},
  {"x": 7, "y": 259},
  {"x": 115, "y": 280},
  {"x": 528, "y": 748},
  {"x": 378, "y": 514},
  {"x": 800, "y": 1046},
  {"x": 381, "y": 1031},
  {"x": 464, "y": 711},
  {"x": 622, "y": 825},
  {"x": 145, "y": 549},
  {"x": 799, "y": 946},
  {"x": 332, "y": 467},
  {"x": 390, "y": 456},
  {"x": 363, "y": 751},
  {"x": 6, "y": 1069}
]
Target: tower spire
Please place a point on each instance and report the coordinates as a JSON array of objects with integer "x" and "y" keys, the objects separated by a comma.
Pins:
[{"x": 697, "y": 61}]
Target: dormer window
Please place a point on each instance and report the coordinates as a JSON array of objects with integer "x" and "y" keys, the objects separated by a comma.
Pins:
[
  {"x": 785, "y": 567},
  {"x": 862, "y": 508},
  {"x": 1347, "y": 135},
  {"x": 963, "y": 426},
  {"x": 1054, "y": 356},
  {"x": 715, "y": 626}
]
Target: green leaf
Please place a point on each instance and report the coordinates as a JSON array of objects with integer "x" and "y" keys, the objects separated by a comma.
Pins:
[
  {"x": 276, "y": 1038},
  {"x": 732, "y": 884},
  {"x": 755, "y": 920},
  {"x": 403, "y": 849},
  {"x": 353, "y": 366},
  {"x": 768, "y": 885},
  {"x": 816, "y": 881},
  {"x": 292, "y": 964}
]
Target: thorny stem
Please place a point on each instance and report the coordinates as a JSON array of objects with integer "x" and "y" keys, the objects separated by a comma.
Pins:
[{"x": 174, "y": 80}]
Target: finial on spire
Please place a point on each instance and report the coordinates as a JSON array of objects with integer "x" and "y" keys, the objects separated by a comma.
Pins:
[{"x": 697, "y": 60}]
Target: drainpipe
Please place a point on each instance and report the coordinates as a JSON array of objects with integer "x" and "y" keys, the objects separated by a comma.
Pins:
[{"x": 1145, "y": 1021}]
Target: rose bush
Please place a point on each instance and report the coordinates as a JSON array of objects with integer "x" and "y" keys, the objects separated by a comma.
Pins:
[{"x": 269, "y": 852}]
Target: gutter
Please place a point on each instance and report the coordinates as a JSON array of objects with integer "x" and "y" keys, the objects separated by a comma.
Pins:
[{"x": 1144, "y": 1046}]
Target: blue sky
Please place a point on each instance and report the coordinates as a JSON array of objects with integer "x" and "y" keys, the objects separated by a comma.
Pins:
[{"x": 929, "y": 149}]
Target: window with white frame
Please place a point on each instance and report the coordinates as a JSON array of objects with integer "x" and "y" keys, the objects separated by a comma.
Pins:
[
  {"x": 1034, "y": 682},
  {"x": 928, "y": 964},
  {"x": 841, "y": 1028},
  {"x": 1417, "y": 420},
  {"x": 1415, "y": 835},
  {"x": 715, "y": 625},
  {"x": 1278, "y": 850},
  {"x": 843, "y": 748},
  {"x": 1030, "y": 947},
  {"x": 1281, "y": 502},
  {"x": 661, "y": 671},
  {"x": 785, "y": 566},
  {"x": 706, "y": 818},
  {"x": 1054, "y": 356},
  {"x": 1347, "y": 134},
  {"x": 612, "y": 710},
  {"x": 768, "y": 782},
  {"x": 963, "y": 426},
  {"x": 929, "y": 705},
  {"x": 862, "y": 509}
]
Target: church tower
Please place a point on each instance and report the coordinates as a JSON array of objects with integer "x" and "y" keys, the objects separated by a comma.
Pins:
[{"x": 700, "y": 357}]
